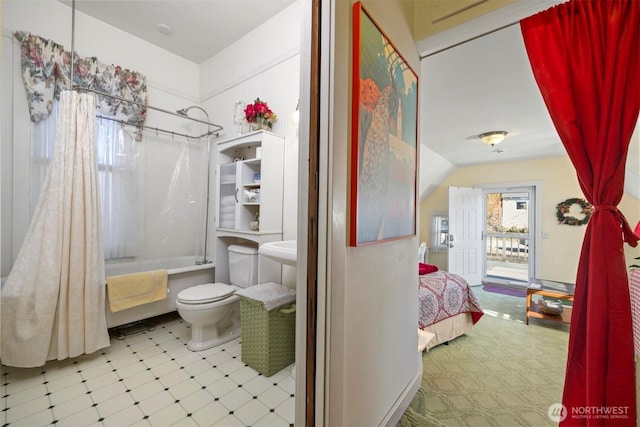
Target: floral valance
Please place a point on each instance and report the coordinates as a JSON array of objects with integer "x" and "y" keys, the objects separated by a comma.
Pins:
[{"x": 46, "y": 72}]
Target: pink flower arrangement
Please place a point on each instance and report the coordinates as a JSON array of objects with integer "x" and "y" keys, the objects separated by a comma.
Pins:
[{"x": 259, "y": 111}]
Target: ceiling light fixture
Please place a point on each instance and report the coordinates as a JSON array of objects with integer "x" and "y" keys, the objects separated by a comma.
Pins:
[{"x": 492, "y": 138}]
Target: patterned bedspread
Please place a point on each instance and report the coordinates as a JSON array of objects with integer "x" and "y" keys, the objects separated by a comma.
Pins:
[{"x": 442, "y": 295}]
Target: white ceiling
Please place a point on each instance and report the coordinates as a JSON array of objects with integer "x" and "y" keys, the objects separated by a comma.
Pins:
[
  {"x": 201, "y": 28},
  {"x": 478, "y": 86},
  {"x": 484, "y": 85}
]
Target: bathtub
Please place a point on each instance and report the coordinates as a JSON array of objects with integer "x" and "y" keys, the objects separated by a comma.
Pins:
[{"x": 182, "y": 273}]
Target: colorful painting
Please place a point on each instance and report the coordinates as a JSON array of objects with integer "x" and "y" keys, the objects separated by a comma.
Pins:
[{"x": 384, "y": 137}]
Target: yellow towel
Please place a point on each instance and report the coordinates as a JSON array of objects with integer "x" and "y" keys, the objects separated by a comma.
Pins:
[{"x": 130, "y": 290}]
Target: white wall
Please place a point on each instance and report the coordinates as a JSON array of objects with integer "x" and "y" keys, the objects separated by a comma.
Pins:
[
  {"x": 172, "y": 83},
  {"x": 52, "y": 19},
  {"x": 242, "y": 71},
  {"x": 372, "y": 314},
  {"x": 632, "y": 171},
  {"x": 434, "y": 169},
  {"x": 270, "y": 70}
]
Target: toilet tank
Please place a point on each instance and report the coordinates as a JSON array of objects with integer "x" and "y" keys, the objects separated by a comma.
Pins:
[{"x": 243, "y": 265}]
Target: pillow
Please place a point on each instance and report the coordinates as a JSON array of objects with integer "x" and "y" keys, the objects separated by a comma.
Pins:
[{"x": 426, "y": 268}]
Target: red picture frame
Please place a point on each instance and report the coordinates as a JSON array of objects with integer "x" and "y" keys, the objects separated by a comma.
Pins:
[{"x": 384, "y": 139}]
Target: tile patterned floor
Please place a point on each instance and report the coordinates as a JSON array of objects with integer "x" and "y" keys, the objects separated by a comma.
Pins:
[{"x": 149, "y": 379}]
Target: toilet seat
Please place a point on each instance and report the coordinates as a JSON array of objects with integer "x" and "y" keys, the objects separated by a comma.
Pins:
[{"x": 204, "y": 294}]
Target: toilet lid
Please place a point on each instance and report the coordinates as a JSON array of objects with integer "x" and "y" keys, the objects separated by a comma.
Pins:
[{"x": 202, "y": 294}]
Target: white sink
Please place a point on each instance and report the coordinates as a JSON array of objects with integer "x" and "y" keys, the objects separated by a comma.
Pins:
[{"x": 283, "y": 252}]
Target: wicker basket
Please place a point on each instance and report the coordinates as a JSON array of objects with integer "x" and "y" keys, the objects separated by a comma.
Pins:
[{"x": 268, "y": 337}]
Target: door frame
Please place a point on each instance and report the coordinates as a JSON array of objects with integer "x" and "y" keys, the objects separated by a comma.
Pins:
[{"x": 534, "y": 222}]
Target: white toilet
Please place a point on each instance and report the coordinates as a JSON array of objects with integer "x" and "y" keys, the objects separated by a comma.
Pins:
[{"x": 213, "y": 309}]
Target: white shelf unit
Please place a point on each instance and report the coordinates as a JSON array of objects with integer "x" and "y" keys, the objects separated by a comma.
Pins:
[{"x": 249, "y": 186}]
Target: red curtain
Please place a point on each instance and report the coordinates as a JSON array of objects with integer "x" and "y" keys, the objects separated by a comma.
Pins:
[{"x": 585, "y": 59}]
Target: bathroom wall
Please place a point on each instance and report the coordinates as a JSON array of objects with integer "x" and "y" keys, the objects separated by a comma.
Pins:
[
  {"x": 173, "y": 83},
  {"x": 267, "y": 69},
  {"x": 52, "y": 19}
]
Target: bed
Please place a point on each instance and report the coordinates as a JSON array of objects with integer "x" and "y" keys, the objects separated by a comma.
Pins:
[{"x": 448, "y": 307}]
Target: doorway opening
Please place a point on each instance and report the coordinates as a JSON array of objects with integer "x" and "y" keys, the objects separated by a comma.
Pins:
[{"x": 509, "y": 253}]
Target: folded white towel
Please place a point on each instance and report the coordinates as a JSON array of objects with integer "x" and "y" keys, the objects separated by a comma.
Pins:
[{"x": 271, "y": 295}]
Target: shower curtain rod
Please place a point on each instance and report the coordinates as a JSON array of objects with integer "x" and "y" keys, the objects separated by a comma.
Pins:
[
  {"x": 215, "y": 131},
  {"x": 151, "y": 128}
]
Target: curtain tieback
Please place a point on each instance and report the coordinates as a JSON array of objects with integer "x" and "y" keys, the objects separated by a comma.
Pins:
[
  {"x": 629, "y": 236},
  {"x": 605, "y": 208}
]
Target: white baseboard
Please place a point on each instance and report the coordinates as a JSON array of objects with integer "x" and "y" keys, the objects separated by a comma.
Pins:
[{"x": 404, "y": 400}]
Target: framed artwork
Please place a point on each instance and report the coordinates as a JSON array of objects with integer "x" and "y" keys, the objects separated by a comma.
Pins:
[{"x": 383, "y": 137}]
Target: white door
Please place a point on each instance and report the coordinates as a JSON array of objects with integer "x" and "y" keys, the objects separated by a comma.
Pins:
[{"x": 465, "y": 233}]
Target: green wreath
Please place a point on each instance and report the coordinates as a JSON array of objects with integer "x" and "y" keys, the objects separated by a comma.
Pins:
[{"x": 563, "y": 208}]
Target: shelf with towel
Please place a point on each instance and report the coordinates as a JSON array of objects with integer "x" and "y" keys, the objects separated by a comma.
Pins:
[
  {"x": 254, "y": 185},
  {"x": 254, "y": 162}
]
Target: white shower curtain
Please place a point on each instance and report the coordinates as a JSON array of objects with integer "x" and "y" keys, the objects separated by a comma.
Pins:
[{"x": 53, "y": 302}]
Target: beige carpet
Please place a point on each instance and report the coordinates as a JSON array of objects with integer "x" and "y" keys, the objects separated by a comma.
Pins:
[{"x": 503, "y": 373}]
